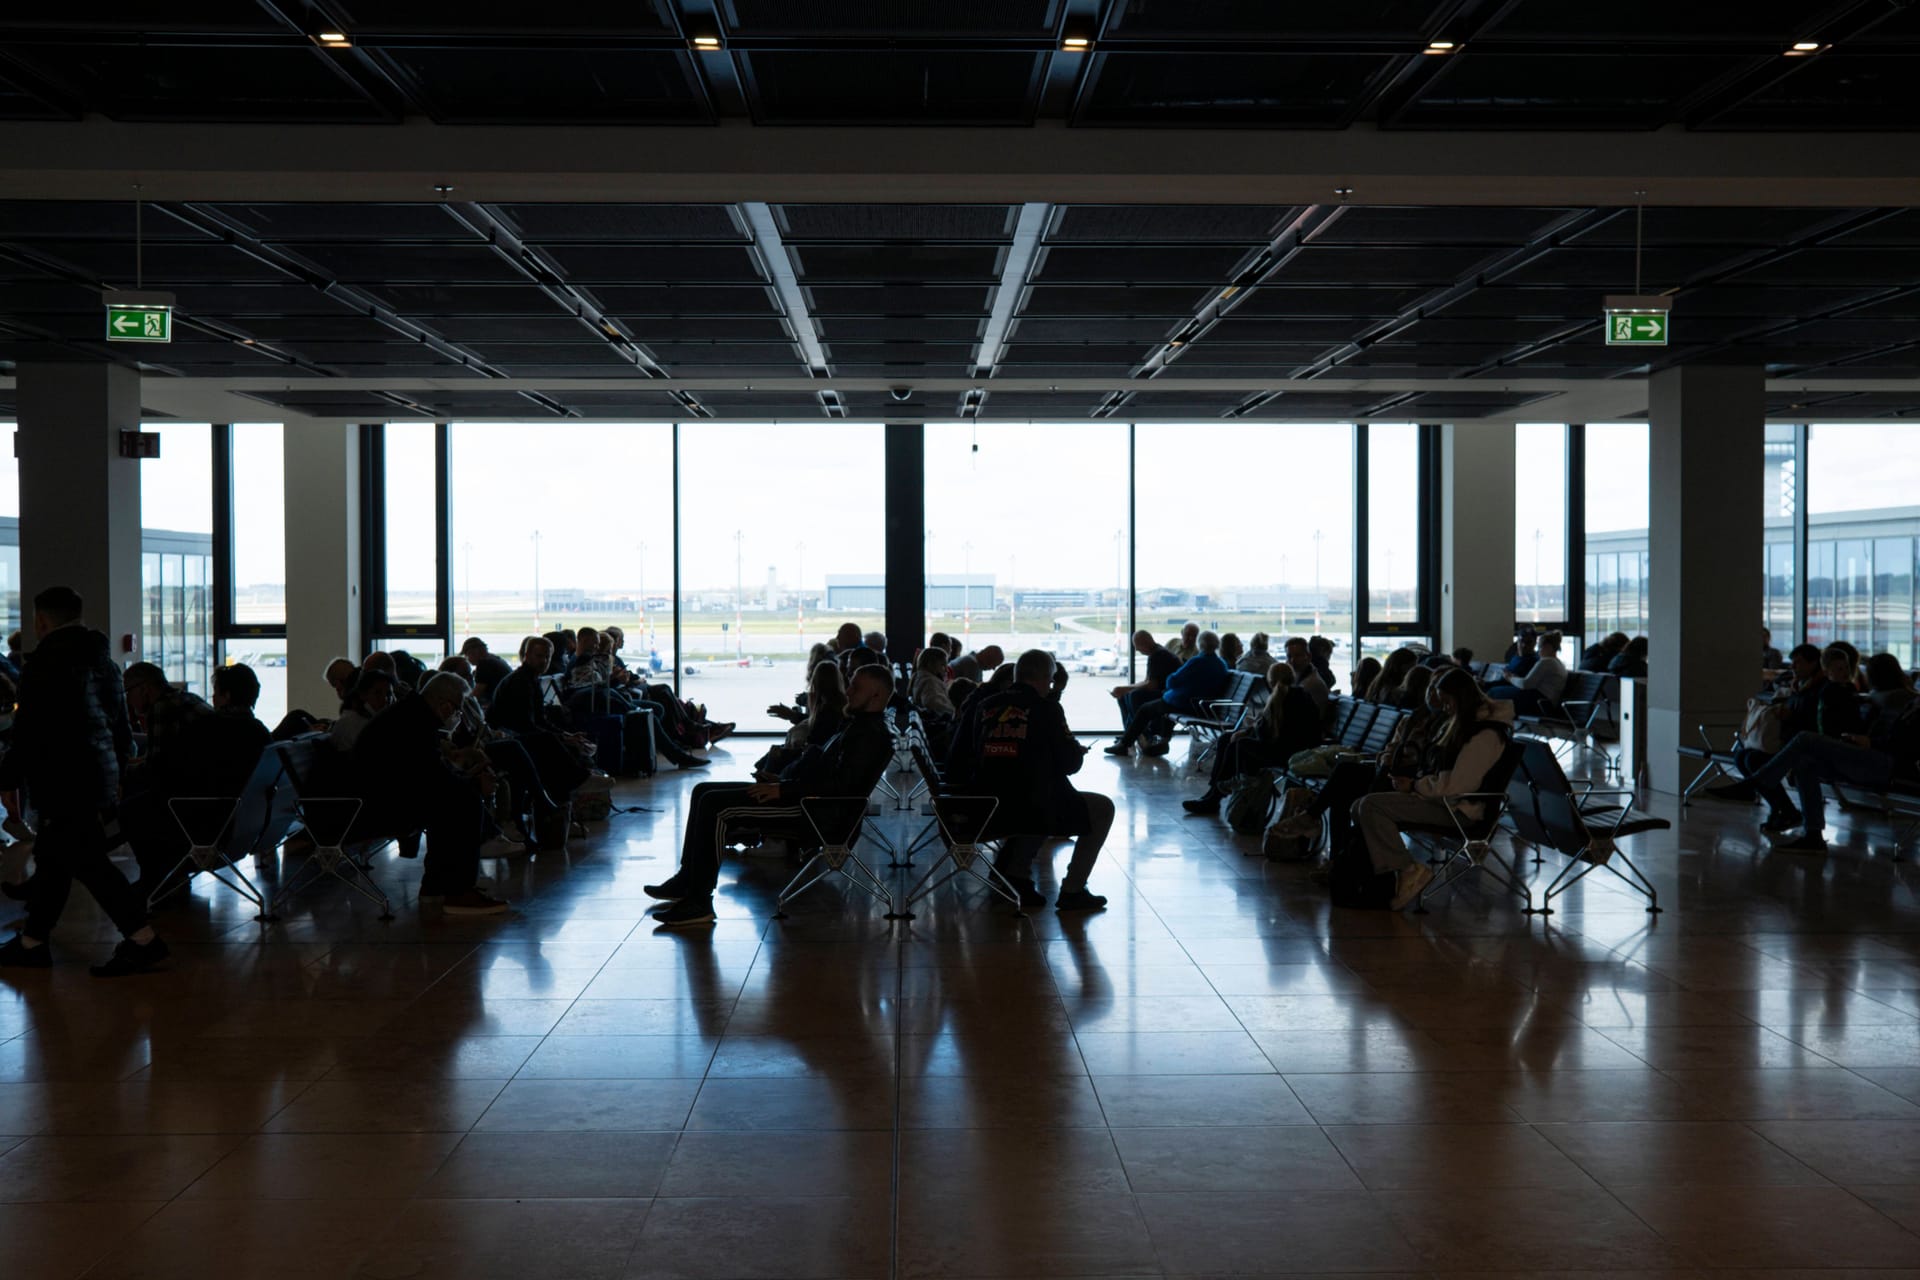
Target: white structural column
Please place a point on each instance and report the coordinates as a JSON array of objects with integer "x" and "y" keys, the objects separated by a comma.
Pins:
[
  {"x": 1703, "y": 588},
  {"x": 1476, "y": 539},
  {"x": 323, "y": 558},
  {"x": 79, "y": 499}
]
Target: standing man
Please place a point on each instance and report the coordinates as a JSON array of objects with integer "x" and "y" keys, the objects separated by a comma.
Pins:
[
  {"x": 69, "y": 741},
  {"x": 1026, "y": 753}
]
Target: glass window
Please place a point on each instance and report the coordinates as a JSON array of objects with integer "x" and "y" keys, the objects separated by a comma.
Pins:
[
  {"x": 9, "y": 533},
  {"x": 1617, "y": 506},
  {"x": 771, "y": 511},
  {"x": 412, "y": 562},
  {"x": 259, "y": 525},
  {"x": 1862, "y": 516},
  {"x": 1540, "y": 522},
  {"x": 591, "y": 524},
  {"x": 1299, "y": 584},
  {"x": 1014, "y": 561},
  {"x": 1393, "y": 523},
  {"x": 176, "y": 522}
]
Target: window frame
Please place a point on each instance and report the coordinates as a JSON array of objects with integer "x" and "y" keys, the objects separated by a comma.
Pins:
[
  {"x": 375, "y": 624},
  {"x": 1425, "y": 624}
]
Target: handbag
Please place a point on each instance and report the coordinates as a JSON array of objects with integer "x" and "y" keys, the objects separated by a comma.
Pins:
[
  {"x": 1765, "y": 726},
  {"x": 1315, "y": 762}
]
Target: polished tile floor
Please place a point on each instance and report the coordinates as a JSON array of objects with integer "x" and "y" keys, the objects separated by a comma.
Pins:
[{"x": 1219, "y": 1075}]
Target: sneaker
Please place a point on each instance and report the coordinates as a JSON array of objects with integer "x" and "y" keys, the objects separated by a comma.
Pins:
[
  {"x": 1081, "y": 899},
  {"x": 18, "y": 955},
  {"x": 131, "y": 957},
  {"x": 671, "y": 889},
  {"x": 716, "y": 732},
  {"x": 686, "y": 912},
  {"x": 1740, "y": 791},
  {"x": 1208, "y": 803},
  {"x": 1120, "y": 747},
  {"x": 473, "y": 903},
  {"x": 1157, "y": 747},
  {"x": 1806, "y": 842},
  {"x": 17, "y": 829},
  {"x": 1409, "y": 884},
  {"x": 1783, "y": 820}
]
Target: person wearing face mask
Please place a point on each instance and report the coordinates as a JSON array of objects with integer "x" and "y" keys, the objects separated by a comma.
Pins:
[
  {"x": 850, "y": 764},
  {"x": 408, "y": 785}
]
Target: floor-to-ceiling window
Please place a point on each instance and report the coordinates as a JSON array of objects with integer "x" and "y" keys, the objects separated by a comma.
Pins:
[
  {"x": 1246, "y": 527},
  {"x": 1779, "y": 481},
  {"x": 10, "y": 614},
  {"x": 1012, "y": 561},
  {"x": 1617, "y": 520},
  {"x": 1540, "y": 522},
  {"x": 782, "y": 538},
  {"x": 1863, "y": 534},
  {"x": 257, "y": 604},
  {"x": 176, "y": 536},
  {"x": 408, "y": 493},
  {"x": 563, "y": 527}
]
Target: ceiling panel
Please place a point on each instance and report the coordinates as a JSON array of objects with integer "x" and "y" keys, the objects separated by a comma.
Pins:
[
  {"x": 507, "y": 85},
  {"x": 1227, "y": 89},
  {"x": 904, "y": 86}
]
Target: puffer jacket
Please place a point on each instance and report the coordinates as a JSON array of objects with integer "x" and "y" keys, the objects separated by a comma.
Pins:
[{"x": 71, "y": 735}]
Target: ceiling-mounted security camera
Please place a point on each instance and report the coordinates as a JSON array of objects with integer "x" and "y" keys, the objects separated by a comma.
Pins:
[{"x": 902, "y": 394}]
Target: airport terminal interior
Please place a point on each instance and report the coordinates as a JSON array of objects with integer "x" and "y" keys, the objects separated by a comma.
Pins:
[{"x": 1428, "y": 491}]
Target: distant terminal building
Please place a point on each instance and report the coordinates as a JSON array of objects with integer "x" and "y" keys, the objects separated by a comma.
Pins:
[{"x": 946, "y": 592}]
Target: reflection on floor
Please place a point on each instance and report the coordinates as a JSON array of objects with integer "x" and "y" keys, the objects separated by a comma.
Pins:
[{"x": 1218, "y": 1075}]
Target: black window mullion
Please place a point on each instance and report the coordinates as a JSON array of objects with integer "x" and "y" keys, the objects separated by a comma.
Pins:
[
  {"x": 1362, "y": 541},
  {"x": 1133, "y": 543},
  {"x": 443, "y": 533},
  {"x": 223, "y": 570},
  {"x": 1576, "y": 603},
  {"x": 373, "y": 533},
  {"x": 1801, "y": 543},
  {"x": 677, "y": 664}
]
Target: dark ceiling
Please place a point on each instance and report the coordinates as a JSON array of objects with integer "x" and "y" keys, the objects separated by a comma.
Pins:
[
  {"x": 1154, "y": 301},
  {"x": 1514, "y": 64},
  {"x": 1153, "y": 305}
]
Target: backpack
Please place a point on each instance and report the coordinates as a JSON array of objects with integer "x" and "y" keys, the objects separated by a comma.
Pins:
[
  {"x": 1353, "y": 883},
  {"x": 1250, "y": 804}
]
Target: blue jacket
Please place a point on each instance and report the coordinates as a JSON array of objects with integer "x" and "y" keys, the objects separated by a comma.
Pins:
[{"x": 1200, "y": 677}]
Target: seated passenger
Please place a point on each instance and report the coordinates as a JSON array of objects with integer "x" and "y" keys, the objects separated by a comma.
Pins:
[
  {"x": 929, "y": 691},
  {"x": 1231, "y": 651},
  {"x": 1307, "y": 674},
  {"x": 372, "y": 693},
  {"x": 977, "y": 666},
  {"x": 1364, "y": 673},
  {"x": 1024, "y": 755},
  {"x": 1256, "y": 659},
  {"x": 408, "y": 785},
  {"x": 1199, "y": 678},
  {"x": 1598, "y": 657},
  {"x": 1831, "y": 741},
  {"x": 1161, "y": 663},
  {"x": 825, "y": 716},
  {"x": 1630, "y": 662},
  {"x": 1540, "y": 689},
  {"x": 1466, "y": 746},
  {"x": 850, "y": 764},
  {"x": 1393, "y": 673},
  {"x": 1287, "y": 723},
  {"x": 1521, "y": 654},
  {"x": 1320, "y": 653}
]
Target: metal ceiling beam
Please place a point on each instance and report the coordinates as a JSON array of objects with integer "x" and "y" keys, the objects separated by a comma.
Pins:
[
  {"x": 1461, "y": 21},
  {"x": 1485, "y": 272},
  {"x": 1836, "y": 23},
  {"x": 1023, "y": 256},
  {"x": 778, "y": 267},
  {"x": 1723, "y": 272},
  {"x": 95, "y": 159}
]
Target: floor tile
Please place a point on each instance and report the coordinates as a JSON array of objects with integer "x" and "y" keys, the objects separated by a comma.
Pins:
[
  {"x": 775, "y": 1238},
  {"x": 1850, "y": 1151},
  {"x": 509, "y": 1240},
  {"x": 1135, "y": 1102},
  {"x": 61, "y": 1241},
  {"x": 1774, "y": 1226},
  {"x": 855, "y": 1163},
  {"x": 313, "y": 1239},
  {"x": 794, "y": 1103},
  {"x": 1681, "y": 1154},
  {"x": 325, "y": 1166},
  {"x": 506, "y": 1166},
  {"x": 1020, "y": 1227},
  {"x": 1198, "y": 1233},
  {"x": 109, "y": 1169},
  {"x": 1290, "y": 1157},
  {"x": 1521, "y": 1228},
  {"x": 1441, "y": 1157},
  {"x": 387, "y": 1106}
]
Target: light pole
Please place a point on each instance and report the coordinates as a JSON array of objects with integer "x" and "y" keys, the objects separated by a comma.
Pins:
[
  {"x": 800, "y": 592},
  {"x": 1013, "y": 600},
  {"x": 643, "y": 595},
  {"x": 466, "y": 549},
  {"x": 966, "y": 594},
  {"x": 1120, "y": 582},
  {"x": 1316, "y": 582},
  {"x": 1389, "y": 584},
  {"x": 1536, "y": 575},
  {"x": 536, "y": 582},
  {"x": 739, "y": 643}
]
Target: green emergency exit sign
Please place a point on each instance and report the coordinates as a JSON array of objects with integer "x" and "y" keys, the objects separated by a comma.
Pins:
[
  {"x": 1636, "y": 331},
  {"x": 139, "y": 324}
]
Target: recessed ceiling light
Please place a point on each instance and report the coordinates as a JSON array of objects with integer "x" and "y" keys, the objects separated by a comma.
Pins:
[
  {"x": 1804, "y": 47},
  {"x": 333, "y": 40},
  {"x": 1441, "y": 46},
  {"x": 705, "y": 42},
  {"x": 1076, "y": 43}
]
